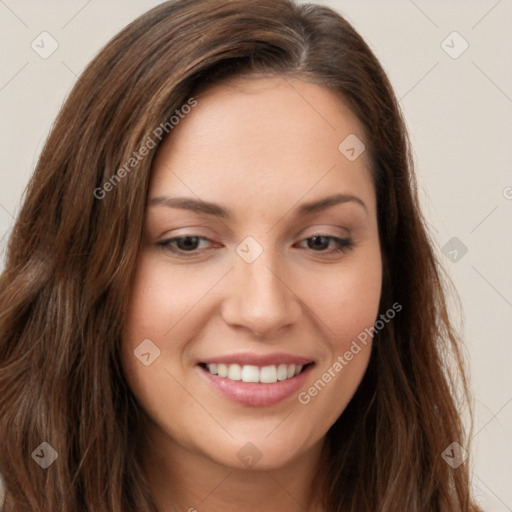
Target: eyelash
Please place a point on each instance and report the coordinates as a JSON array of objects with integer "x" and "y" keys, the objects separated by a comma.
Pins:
[{"x": 344, "y": 244}]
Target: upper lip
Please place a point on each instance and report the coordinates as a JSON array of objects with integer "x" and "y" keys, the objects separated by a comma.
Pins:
[{"x": 257, "y": 359}]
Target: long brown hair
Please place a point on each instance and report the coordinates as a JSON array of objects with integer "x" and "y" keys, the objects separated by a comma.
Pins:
[{"x": 72, "y": 254}]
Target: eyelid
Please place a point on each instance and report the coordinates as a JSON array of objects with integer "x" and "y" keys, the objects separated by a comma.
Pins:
[{"x": 320, "y": 229}]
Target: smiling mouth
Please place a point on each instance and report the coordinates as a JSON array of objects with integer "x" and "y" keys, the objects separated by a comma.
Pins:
[{"x": 255, "y": 374}]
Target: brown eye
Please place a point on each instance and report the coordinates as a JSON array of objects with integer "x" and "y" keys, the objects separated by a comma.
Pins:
[
  {"x": 183, "y": 244},
  {"x": 318, "y": 243},
  {"x": 321, "y": 243}
]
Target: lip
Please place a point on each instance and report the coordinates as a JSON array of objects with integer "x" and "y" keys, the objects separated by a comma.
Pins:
[
  {"x": 255, "y": 394},
  {"x": 258, "y": 359}
]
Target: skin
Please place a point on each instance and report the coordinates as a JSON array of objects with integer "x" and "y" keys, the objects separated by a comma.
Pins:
[{"x": 260, "y": 148}]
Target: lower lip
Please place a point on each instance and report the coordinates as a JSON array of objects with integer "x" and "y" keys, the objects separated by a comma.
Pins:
[{"x": 257, "y": 394}]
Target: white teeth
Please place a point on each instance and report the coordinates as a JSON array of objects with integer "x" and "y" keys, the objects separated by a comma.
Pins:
[
  {"x": 268, "y": 374},
  {"x": 250, "y": 373},
  {"x": 282, "y": 372},
  {"x": 222, "y": 370},
  {"x": 234, "y": 372}
]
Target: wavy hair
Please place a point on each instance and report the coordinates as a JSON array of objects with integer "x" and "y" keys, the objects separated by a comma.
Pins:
[{"x": 71, "y": 258}]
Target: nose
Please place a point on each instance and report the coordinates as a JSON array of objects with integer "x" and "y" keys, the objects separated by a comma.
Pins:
[{"x": 259, "y": 298}]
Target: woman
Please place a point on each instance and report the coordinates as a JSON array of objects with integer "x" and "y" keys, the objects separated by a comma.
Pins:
[{"x": 220, "y": 293}]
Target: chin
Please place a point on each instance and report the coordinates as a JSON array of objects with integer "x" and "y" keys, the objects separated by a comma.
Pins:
[{"x": 262, "y": 452}]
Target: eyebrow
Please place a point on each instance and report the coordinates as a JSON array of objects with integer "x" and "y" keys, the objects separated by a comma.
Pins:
[{"x": 218, "y": 211}]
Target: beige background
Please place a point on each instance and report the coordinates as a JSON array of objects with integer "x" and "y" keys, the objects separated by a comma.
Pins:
[{"x": 459, "y": 112}]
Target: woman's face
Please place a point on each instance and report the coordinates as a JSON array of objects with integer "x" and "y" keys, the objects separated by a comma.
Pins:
[{"x": 248, "y": 269}]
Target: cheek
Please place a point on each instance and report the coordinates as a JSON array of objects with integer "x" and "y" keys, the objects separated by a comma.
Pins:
[
  {"x": 346, "y": 302},
  {"x": 164, "y": 314},
  {"x": 153, "y": 311},
  {"x": 166, "y": 306},
  {"x": 346, "y": 299},
  {"x": 162, "y": 300}
]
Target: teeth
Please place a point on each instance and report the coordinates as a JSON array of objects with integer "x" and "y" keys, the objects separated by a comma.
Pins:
[
  {"x": 251, "y": 373},
  {"x": 222, "y": 370},
  {"x": 234, "y": 372},
  {"x": 268, "y": 374},
  {"x": 282, "y": 372}
]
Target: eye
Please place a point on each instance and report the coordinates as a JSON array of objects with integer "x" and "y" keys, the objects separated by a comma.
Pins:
[
  {"x": 319, "y": 243},
  {"x": 183, "y": 244},
  {"x": 190, "y": 245}
]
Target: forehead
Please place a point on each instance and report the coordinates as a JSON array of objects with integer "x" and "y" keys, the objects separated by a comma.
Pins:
[{"x": 274, "y": 136}]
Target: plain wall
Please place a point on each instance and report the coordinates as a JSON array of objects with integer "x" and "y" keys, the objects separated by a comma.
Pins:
[{"x": 459, "y": 113}]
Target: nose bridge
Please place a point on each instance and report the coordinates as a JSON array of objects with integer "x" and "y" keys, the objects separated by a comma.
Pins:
[{"x": 259, "y": 298}]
